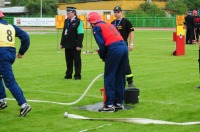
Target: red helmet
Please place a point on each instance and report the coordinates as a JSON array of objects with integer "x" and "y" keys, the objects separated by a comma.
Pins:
[
  {"x": 195, "y": 12},
  {"x": 1, "y": 14},
  {"x": 94, "y": 17}
]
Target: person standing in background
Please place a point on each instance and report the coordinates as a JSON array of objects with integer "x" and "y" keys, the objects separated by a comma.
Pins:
[
  {"x": 196, "y": 25},
  {"x": 189, "y": 22},
  {"x": 126, "y": 30},
  {"x": 72, "y": 38}
]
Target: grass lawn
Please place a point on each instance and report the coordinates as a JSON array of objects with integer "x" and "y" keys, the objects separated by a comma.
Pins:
[{"x": 167, "y": 86}]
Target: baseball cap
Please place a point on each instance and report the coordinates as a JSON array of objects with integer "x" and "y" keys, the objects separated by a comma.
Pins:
[
  {"x": 71, "y": 9},
  {"x": 117, "y": 8}
]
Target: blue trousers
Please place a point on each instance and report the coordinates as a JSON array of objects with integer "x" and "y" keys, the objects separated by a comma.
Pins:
[
  {"x": 7, "y": 58},
  {"x": 114, "y": 73}
]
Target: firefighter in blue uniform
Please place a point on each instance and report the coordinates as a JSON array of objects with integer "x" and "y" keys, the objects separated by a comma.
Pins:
[
  {"x": 72, "y": 38},
  {"x": 126, "y": 29},
  {"x": 114, "y": 52},
  {"x": 7, "y": 58}
]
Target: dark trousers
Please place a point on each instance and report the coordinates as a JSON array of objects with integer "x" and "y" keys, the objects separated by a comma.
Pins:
[
  {"x": 114, "y": 72},
  {"x": 197, "y": 34},
  {"x": 129, "y": 75},
  {"x": 73, "y": 58},
  {"x": 6, "y": 74},
  {"x": 189, "y": 35}
]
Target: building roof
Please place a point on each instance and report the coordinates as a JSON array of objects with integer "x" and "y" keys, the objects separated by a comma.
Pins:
[{"x": 20, "y": 9}]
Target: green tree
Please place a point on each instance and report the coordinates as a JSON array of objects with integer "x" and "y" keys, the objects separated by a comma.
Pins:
[
  {"x": 49, "y": 7},
  {"x": 146, "y": 10},
  {"x": 192, "y": 4},
  {"x": 18, "y": 2},
  {"x": 176, "y": 7}
]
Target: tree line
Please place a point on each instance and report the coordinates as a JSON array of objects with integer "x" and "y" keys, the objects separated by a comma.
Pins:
[
  {"x": 147, "y": 9},
  {"x": 173, "y": 7}
]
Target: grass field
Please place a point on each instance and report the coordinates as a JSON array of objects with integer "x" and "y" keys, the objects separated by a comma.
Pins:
[{"x": 167, "y": 86}]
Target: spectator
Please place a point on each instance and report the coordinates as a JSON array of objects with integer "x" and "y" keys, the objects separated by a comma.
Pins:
[
  {"x": 72, "y": 38},
  {"x": 197, "y": 25},
  {"x": 126, "y": 30},
  {"x": 189, "y": 21}
]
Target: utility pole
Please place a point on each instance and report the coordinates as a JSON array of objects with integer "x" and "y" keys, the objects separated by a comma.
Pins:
[
  {"x": 149, "y": 1},
  {"x": 41, "y": 8},
  {"x": 2, "y": 3}
]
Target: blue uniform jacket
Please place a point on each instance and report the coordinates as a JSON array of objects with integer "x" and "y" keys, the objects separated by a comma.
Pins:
[
  {"x": 100, "y": 41},
  {"x": 22, "y": 35}
]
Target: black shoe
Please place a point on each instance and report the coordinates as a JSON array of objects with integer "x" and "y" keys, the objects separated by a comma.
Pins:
[
  {"x": 3, "y": 105},
  {"x": 67, "y": 77},
  {"x": 130, "y": 85},
  {"x": 77, "y": 78},
  {"x": 25, "y": 110},
  {"x": 119, "y": 107},
  {"x": 107, "y": 109},
  {"x": 198, "y": 87}
]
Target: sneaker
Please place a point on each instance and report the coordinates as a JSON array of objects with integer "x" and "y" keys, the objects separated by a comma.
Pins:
[
  {"x": 3, "y": 104},
  {"x": 25, "y": 110},
  {"x": 119, "y": 107},
  {"x": 107, "y": 109}
]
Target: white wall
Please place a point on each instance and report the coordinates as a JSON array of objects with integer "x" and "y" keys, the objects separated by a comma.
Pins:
[{"x": 2, "y": 3}]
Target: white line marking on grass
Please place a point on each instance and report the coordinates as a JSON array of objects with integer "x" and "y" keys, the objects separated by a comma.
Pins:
[
  {"x": 64, "y": 94},
  {"x": 161, "y": 38},
  {"x": 171, "y": 103},
  {"x": 60, "y": 52},
  {"x": 168, "y": 56},
  {"x": 49, "y": 92},
  {"x": 131, "y": 120},
  {"x": 61, "y": 103},
  {"x": 43, "y": 101},
  {"x": 41, "y": 32},
  {"x": 95, "y": 128}
]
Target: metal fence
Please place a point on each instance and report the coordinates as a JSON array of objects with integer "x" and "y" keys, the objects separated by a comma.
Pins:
[
  {"x": 76, "y": 1},
  {"x": 153, "y": 21},
  {"x": 9, "y": 20},
  {"x": 138, "y": 21}
]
